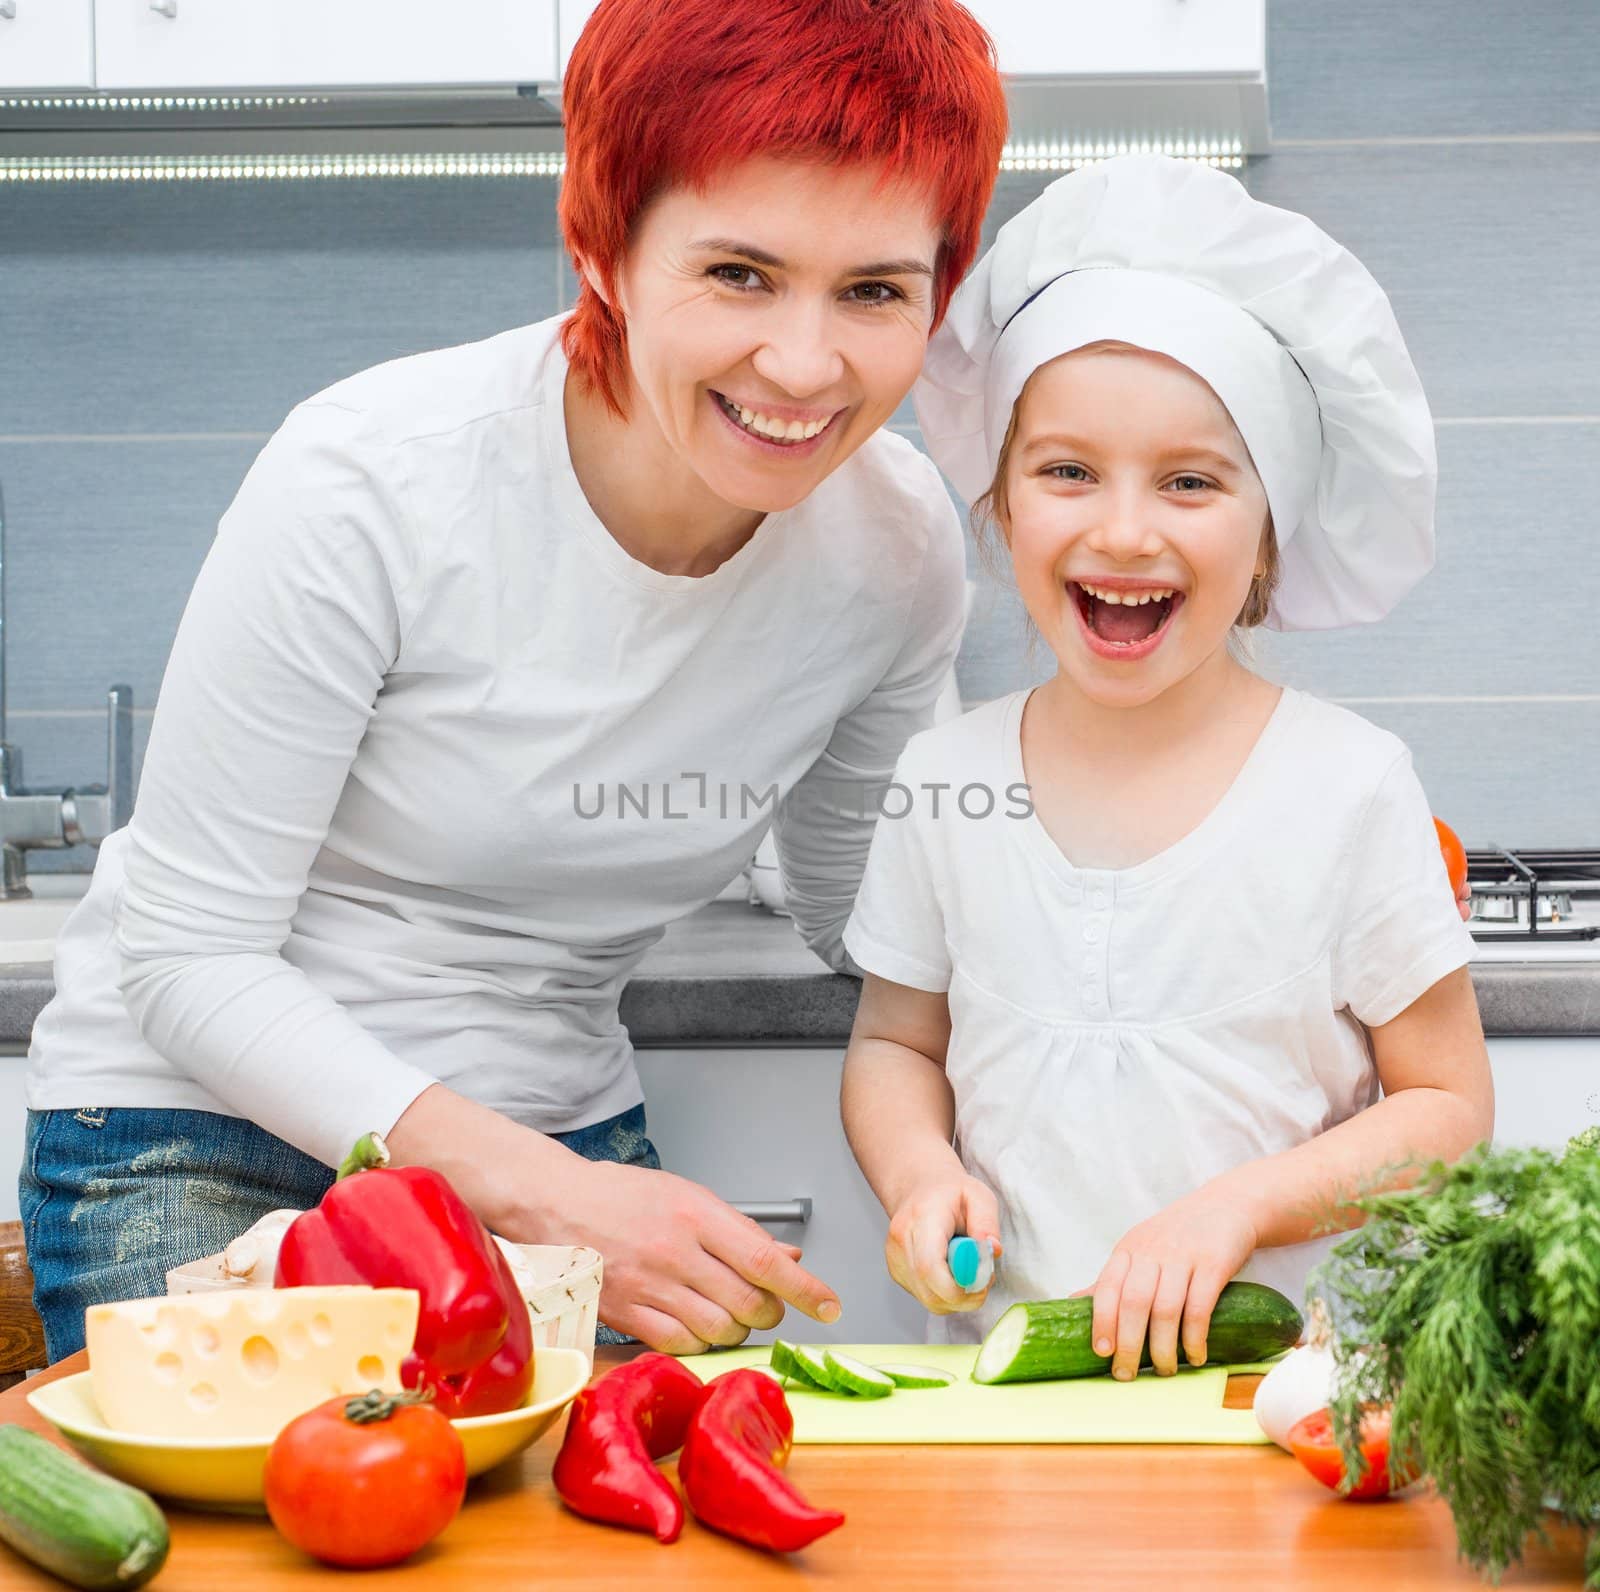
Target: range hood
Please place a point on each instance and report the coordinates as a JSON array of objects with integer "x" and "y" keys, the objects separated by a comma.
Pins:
[
  {"x": 255, "y": 133},
  {"x": 1166, "y": 75}
]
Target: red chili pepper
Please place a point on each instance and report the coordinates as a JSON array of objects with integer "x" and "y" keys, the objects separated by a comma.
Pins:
[
  {"x": 406, "y": 1227},
  {"x": 731, "y": 1466},
  {"x": 619, "y": 1427}
]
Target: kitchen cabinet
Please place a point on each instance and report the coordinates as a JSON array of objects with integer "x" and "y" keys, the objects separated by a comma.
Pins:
[
  {"x": 763, "y": 1125},
  {"x": 46, "y": 44},
  {"x": 573, "y": 15},
  {"x": 1134, "y": 38},
  {"x": 306, "y": 44},
  {"x": 1546, "y": 1089}
]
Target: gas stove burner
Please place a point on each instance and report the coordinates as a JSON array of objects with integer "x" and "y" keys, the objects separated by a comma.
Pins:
[
  {"x": 1563, "y": 888},
  {"x": 1501, "y": 906}
]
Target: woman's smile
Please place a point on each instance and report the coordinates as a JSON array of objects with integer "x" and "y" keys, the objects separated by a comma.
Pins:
[{"x": 775, "y": 431}]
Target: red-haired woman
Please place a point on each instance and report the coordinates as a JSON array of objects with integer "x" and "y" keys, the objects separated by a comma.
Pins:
[{"x": 508, "y": 655}]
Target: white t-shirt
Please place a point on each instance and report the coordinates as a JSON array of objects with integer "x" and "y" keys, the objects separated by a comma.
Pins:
[
  {"x": 389, "y": 826},
  {"x": 1120, "y": 1036}
]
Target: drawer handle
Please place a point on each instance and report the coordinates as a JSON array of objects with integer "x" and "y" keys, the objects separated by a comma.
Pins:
[
  {"x": 167, "y": 8},
  {"x": 8, "y": 10},
  {"x": 775, "y": 1210}
]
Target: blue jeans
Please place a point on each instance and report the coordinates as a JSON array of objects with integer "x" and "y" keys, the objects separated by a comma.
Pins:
[{"x": 113, "y": 1198}]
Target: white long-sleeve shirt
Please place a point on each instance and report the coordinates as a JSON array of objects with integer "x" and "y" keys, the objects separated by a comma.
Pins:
[{"x": 389, "y": 827}]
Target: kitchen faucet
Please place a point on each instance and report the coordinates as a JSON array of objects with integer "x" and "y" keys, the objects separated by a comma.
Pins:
[{"x": 52, "y": 819}]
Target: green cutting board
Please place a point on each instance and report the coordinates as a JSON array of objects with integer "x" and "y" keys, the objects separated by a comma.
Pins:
[{"x": 1186, "y": 1408}]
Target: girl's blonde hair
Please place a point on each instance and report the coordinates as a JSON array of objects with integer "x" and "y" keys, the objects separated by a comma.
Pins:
[{"x": 991, "y": 513}]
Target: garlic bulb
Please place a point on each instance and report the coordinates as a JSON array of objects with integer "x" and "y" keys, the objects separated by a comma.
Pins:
[
  {"x": 252, "y": 1258},
  {"x": 1300, "y": 1383}
]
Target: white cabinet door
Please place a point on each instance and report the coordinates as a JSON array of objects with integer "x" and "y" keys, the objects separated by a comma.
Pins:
[
  {"x": 232, "y": 44},
  {"x": 46, "y": 44},
  {"x": 763, "y": 1125},
  {"x": 1157, "y": 38},
  {"x": 1545, "y": 1090}
]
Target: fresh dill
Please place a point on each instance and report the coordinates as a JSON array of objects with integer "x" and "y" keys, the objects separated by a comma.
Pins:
[{"x": 1470, "y": 1302}]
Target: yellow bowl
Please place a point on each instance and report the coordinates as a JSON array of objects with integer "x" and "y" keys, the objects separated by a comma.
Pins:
[{"x": 206, "y": 1474}]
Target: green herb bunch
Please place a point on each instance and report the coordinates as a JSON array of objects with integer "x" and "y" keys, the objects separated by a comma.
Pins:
[{"x": 1470, "y": 1302}]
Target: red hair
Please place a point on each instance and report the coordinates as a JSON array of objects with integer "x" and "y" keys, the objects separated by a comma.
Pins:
[{"x": 662, "y": 93}]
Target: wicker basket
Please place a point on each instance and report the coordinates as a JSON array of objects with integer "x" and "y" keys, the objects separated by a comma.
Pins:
[{"x": 560, "y": 1282}]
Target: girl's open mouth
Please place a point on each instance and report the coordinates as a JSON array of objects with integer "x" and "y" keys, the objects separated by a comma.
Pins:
[{"x": 1125, "y": 625}]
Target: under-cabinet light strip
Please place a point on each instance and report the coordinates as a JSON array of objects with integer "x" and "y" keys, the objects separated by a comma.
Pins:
[
  {"x": 237, "y": 168},
  {"x": 160, "y": 102},
  {"x": 250, "y": 167}
]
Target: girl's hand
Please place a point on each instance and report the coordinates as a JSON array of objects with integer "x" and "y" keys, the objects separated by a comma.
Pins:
[
  {"x": 1164, "y": 1278},
  {"x": 920, "y": 1230}
]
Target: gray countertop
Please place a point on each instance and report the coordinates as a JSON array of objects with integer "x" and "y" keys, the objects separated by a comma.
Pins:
[{"x": 735, "y": 975}]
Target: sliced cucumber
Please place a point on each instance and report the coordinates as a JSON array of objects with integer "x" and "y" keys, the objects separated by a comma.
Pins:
[
  {"x": 856, "y": 1377},
  {"x": 813, "y": 1362},
  {"x": 916, "y": 1376},
  {"x": 786, "y": 1362},
  {"x": 1001, "y": 1358}
]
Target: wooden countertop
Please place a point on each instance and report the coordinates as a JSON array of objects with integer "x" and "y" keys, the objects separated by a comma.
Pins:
[{"x": 1123, "y": 1518}]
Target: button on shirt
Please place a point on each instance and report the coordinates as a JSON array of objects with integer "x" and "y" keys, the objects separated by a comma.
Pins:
[{"x": 1119, "y": 1037}]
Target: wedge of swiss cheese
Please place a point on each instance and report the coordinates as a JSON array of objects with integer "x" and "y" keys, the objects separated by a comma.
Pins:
[{"x": 242, "y": 1363}]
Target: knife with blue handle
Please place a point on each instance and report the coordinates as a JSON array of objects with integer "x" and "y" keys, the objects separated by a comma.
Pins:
[{"x": 971, "y": 1262}]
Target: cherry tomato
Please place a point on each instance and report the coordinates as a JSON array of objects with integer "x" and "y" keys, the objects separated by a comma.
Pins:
[
  {"x": 365, "y": 1492},
  {"x": 1455, "y": 855},
  {"x": 1314, "y": 1445}
]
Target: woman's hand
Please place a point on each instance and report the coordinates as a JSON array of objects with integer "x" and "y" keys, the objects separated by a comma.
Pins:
[
  {"x": 1164, "y": 1278},
  {"x": 920, "y": 1229},
  {"x": 683, "y": 1270}
]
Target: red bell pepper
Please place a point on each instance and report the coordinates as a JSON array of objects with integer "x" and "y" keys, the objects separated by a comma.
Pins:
[
  {"x": 619, "y": 1427},
  {"x": 406, "y": 1227},
  {"x": 730, "y": 1467}
]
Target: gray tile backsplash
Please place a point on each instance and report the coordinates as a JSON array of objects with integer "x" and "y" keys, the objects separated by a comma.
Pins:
[
  {"x": 1489, "y": 255},
  {"x": 1442, "y": 141},
  {"x": 190, "y": 307},
  {"x": 1509, "y": 606},
  {"x": 1431, "y": 68},
  {"x": 103, "y": 542}
]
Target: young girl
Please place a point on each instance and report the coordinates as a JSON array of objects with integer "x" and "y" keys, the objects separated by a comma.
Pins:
[{"x": 1211, "y": 976}]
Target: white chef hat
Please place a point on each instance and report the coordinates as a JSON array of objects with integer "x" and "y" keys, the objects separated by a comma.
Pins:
[{"x": 1287, "y": 327}]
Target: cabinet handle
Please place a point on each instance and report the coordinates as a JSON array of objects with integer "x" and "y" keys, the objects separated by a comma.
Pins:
[
  {"x": 8, "y": 10},
  {"x": 775, "y": 1210},
  {"x": 167, "y": 8}
]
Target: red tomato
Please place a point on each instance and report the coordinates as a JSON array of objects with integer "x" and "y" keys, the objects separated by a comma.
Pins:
[
  {"x": 1455, "y": 855},
  {"x": 1315, "y": 1446},
  {"x": 364, "y": 1493}
]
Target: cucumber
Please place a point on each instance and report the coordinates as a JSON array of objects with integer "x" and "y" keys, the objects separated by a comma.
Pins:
[
  {"x": 917, "y": 1376},
  {"x": 88, "y": 1528},
  {"x": 1050, "y": 1339},
  {"x": 786, "y": 1362},
  {"x": 811, "y": 1360},
  {"x": 856, "y": 1377}
]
